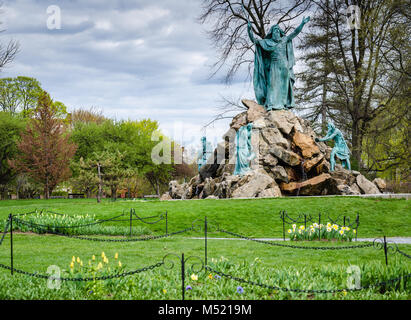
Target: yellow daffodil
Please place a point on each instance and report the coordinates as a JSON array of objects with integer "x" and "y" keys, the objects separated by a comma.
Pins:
[
  {"x": 119, "y": 264},
  {"x": 93, "y": 257},
  {"x": 302, "y": 228},
  {"x": 105, "y": 260},
  {"x": 355, "y": 231},
  {"x": 164, "y": 291},
  {"x": 289, "y": 231},
  {"x": 210, "y": 276},
  {"x": 341, "y": 232},
  {"x": 73, "y": 259},
  {"x": 116, "y": 256},
  {"x": 345, "y": 292},
  {"x": 78, "y": 260},
  {"x": 103, "y": 254},
  {"x": 99, "y": 266},
  {"x": 71, "y": 265},
  {"x": 194, "y": 277}
]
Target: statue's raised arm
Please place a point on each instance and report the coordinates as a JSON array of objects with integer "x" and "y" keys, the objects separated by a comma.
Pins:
[
  {"x": 251, "y": 33},
  {"x": 297, "y": 30}
]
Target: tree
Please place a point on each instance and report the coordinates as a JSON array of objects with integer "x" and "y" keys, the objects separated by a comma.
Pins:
[
  {"x": 45, "y": 147},
  {"x": 314, "y": 95},
  {"x": 87, "y": 116},
  {"x": 229, "y": 27},
  {"x": 11, "y": 126},
  {"x": 356, "y": 64},
  {"x": 21, "y": 94}
]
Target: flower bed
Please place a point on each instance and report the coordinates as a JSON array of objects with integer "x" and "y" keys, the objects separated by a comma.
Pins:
[{"x": 321, "y": 232}]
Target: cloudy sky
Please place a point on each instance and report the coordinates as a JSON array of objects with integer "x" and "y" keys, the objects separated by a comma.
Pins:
[{"x": 132, "y": 59}]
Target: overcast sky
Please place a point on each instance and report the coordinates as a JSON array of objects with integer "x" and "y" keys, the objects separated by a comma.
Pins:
[{"x": 133, "y": 59}]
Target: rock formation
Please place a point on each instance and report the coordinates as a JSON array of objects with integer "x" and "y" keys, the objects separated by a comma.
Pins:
[{"x": 289, "y": 162}]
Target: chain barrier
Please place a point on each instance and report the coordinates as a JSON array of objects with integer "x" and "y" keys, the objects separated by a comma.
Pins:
[
  {"x": 6, "y": 228},
  {"x": 18, "y": 221},
  {"x": 161, "y": 217},
  {"x": 120, "y": 275},
  {"x": 297, "y": 247},
  {"x": 304, "y": 218},
  {"x": 266, "y": 286},
  {"x": 70, "y": 227},
  {"x": 101, "y": 221},
  {"x": 404, "y": 254}
]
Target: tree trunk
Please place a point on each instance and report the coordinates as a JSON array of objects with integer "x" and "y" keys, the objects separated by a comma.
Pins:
[{"x": 356, "y": 144}]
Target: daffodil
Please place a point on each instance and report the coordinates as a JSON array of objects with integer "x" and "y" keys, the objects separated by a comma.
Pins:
[
  {"x": 93, "y": 257},
  {"x": 78, "y": 260},
  {"x": 119, "y": 264},
  {"x": 302, "y": 228},
  {"x": 289, "y": 231},
  {"x": 294, "y": 226},
  {"x": 116, "y": 256},
  {"x": 73, "y": 259},
  {"x": 99, "y": 266},
  {"x": 194, "y": 277},
  {"x": 164, "y": 291},
  {"x": 72, "y": 265},
  {"x": 210, "y": 276},
  {"x": 103, "y": 254}
]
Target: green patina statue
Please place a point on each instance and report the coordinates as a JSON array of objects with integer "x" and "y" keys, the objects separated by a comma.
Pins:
[
  {"x": 340, "y": 147},
  {"x": 203, "y": 156},
  {"x": 273, "y": 67},
  {"x": 244, "y": 150}
]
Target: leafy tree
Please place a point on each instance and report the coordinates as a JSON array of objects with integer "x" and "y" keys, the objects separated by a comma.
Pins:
[
  {"x": 357, "y": 62},
  {"x": 45, "y": 147},
  {"x": 11, "y": 126}
]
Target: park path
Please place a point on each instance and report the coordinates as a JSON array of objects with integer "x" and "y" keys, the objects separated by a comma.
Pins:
[{"x": 398, "y": 240}]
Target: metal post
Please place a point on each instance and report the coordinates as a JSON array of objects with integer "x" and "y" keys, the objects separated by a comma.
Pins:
[
  {"x": 356, "y": 228},
  {"x": 344, "y": 222},
  {"x": 131, "y": 222},
  {"x": 385, "y": 250},
  {"x": 319, "y": 226},
  {"x": 182, "y": 276},
  {"x": 166, "y": 223},
  {"x": 205, "y": 240},
  {"x": 11, "y": 243},
  {"x": 283, "y": 216},
  {"x": 305, "y": 221}
]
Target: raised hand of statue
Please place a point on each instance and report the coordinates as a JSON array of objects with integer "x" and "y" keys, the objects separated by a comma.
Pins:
[{"x": 306, "y": 19}]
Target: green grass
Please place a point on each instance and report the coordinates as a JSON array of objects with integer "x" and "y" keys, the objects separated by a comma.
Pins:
[
  {"x": 307, "y": 269},
  {"x": 255, "y": 218}
]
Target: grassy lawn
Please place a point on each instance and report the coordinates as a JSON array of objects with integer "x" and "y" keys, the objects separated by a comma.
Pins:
[
  {"x": 276, "y": 266},
  {"x": 255, "y": 218}
]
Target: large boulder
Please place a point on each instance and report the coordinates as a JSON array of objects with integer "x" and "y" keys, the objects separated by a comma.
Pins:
[
  {"x": 255, "y": 111},
  {"x": 287, "y": 156},
  {"x": 306, "y": 144},
  {"x": 313, "y": 186},
  {"x": 176, "y": 190},
  {"x": 251, "y": 184},
  {"x": 381, "y": 184},
  {"x": 366, "y": 186}
]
